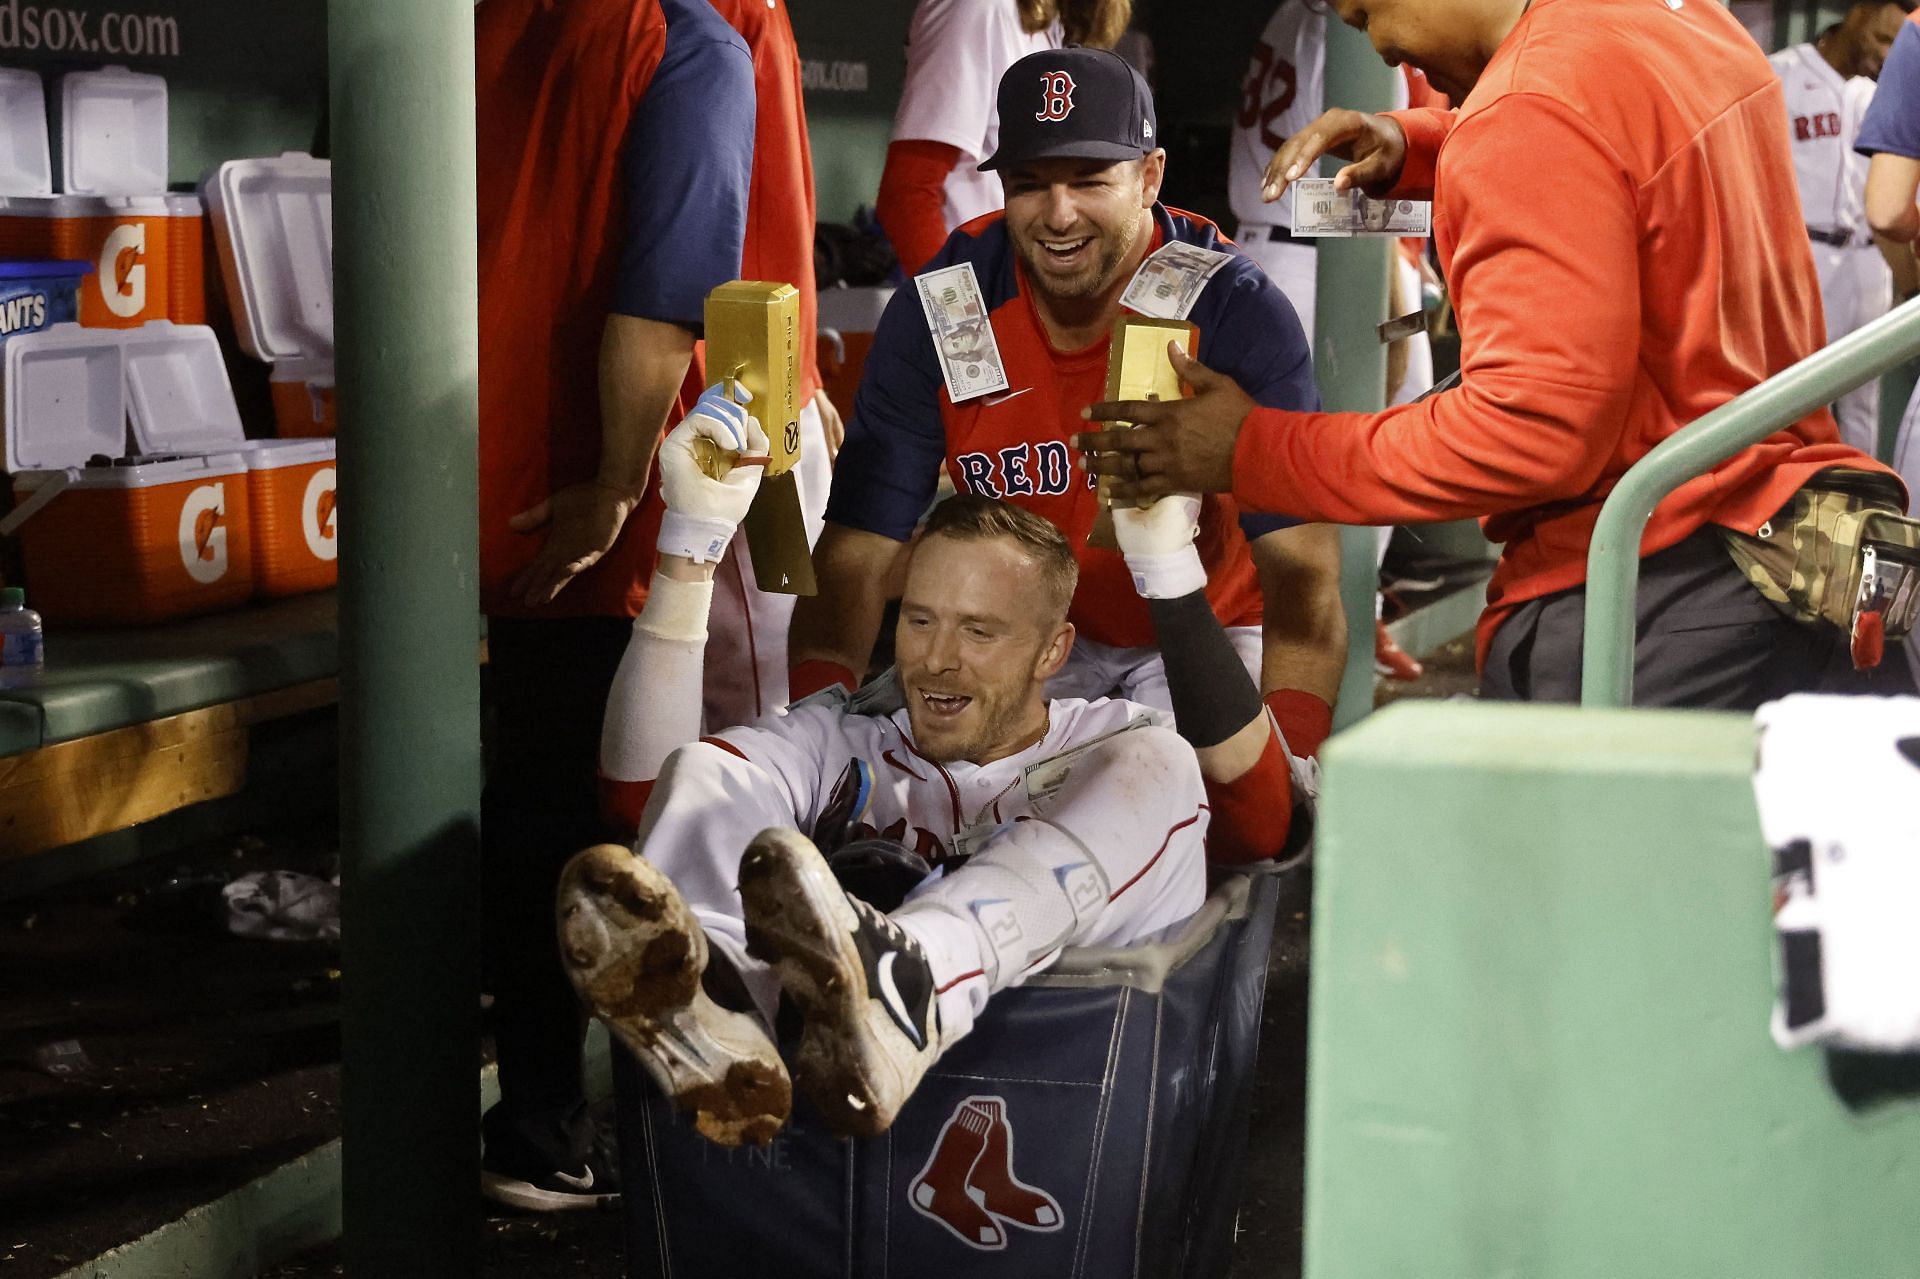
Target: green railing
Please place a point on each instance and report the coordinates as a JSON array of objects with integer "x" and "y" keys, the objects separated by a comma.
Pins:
[{"x": 1613, "y": 562}]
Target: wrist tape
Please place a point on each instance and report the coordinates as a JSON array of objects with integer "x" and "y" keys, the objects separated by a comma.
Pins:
[
  {"x": 1213, "y": 696},
  {"x": 676, "y": 610},
  {"x": 702, "y": 539},
  {"x": 1168, "y": 576}
]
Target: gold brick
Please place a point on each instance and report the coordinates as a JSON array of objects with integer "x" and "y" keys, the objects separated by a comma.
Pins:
[
  {"x": 753, "y": 335},
  {"x": 1138, "y": 369}
]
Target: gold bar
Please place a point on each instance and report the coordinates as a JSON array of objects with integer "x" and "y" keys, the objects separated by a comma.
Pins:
[
  {"x": 753, "y": 335},
  {"x": 1138, "y": 368}
]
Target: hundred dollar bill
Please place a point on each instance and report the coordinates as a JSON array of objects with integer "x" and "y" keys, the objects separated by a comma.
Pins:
[
  {"x": 962, "y": 332},
  {"x": 1318, "y": 209},
  {"x": 1169, "y": 282}
]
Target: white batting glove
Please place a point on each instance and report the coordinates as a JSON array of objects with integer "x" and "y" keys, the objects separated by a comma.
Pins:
[
  {"x": 1158, "y": 546},
  {"x": 702, "y": 512}
]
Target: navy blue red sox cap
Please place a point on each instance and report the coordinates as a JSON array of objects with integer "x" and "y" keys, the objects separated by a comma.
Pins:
[{"x": 1072, "y": 103}]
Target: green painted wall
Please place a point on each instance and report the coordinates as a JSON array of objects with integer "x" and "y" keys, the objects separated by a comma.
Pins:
[
  {"x": 244, "y": 77},
  {"x": 1541, "y": 984}
]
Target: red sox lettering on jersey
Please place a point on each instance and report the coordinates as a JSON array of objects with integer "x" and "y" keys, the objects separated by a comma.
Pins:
[
  {"x": 906, "y": 428},
  {"x": 1808, "y": 127},
  {"x": 1825, "y": 110}
]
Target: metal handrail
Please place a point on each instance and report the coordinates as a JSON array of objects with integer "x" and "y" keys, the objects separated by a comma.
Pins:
[{"x": 1613, "y": 560}]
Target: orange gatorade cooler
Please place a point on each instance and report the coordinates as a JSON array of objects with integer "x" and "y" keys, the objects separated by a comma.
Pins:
[
  {"x": 110, "y": 539},
  {"x": 127, "y": 238},
  {"x": 295, "y": 543},
  {"x": 186, "y": 259},
  {"x": 272, "y": 222},
  {"x": 303, "y": 397},
  {"x": 180, "y": 401}
]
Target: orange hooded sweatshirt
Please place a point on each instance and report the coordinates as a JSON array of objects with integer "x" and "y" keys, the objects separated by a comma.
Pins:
[{"x": 1615, "y": 210}]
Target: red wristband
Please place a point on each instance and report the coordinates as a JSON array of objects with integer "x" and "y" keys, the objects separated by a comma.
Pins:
[
  {"x": 814, "y": 674},
  {"x": 1304, "y": 719}
]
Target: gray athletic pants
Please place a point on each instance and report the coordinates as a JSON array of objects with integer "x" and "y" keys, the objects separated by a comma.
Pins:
[{"x": 1705, "y": 638}]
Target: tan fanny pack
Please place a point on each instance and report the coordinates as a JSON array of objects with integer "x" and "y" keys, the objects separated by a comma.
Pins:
[{"x": 1839, "y": 552}]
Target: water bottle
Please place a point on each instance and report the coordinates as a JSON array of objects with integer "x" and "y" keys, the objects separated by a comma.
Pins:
[{"x": 22, "y": 650}]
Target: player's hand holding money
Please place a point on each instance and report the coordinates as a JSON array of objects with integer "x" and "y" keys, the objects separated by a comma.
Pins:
[
  {"x": 703, "y": 511},
  {"x": 1374, "y": 144},
  {"x": 1176, "y": 446}
]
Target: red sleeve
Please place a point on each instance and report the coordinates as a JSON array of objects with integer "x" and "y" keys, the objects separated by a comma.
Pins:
[
  {"x": 1426, "y": 128},
  {"x": 1304, "y": 719},
  {"x": 1252, "y": 813},
  {"x": 913, "y": 195},
  {"x": 1542, "y": 407},
  {"x": 812, "y": 675}
]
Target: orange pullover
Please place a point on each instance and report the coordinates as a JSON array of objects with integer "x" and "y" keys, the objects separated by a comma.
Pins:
[{"x": 1615, "y": 210}]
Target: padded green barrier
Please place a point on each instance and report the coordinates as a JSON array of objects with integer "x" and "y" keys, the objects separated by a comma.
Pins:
[
  {"x": 1541, "y": 984},
  {"x": 101, "y": 680}
]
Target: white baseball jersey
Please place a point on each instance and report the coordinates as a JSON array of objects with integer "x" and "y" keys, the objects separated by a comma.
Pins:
[
  {"x": 1824, "y": 112},
  {"x": 1823, "y": 117},
  {"x": 956, "y": 53},
  {"x": 1280, "y": 95},
  {"x": 1130, "y": 803}
]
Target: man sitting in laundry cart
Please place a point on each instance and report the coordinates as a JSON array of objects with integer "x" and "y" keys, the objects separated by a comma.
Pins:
[{"x": 1044, "y": 824}]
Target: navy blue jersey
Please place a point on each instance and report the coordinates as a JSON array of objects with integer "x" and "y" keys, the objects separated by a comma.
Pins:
[{"x": 1015, "y": 443}]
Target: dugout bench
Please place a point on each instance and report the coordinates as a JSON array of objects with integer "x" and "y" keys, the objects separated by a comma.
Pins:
[{"x": 127, "y": 726}]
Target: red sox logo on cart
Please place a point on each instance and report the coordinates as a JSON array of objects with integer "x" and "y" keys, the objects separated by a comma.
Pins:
[
  {"x": 968, "y": 1184},
  {"x": 1058, "y": 87}
]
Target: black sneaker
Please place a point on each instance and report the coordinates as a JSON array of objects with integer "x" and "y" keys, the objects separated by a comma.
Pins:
[
  {"x": 863, "y": 985},
  {"x": 529, "y": 1187},
  {"x": 638, "y": 958}
]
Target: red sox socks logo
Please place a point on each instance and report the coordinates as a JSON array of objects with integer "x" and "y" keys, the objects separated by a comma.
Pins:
[
  {"x": 1058, "y": 86},
  {"x": 968, "y": 1184}
]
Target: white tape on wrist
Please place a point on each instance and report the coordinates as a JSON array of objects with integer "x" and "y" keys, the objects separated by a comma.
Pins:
[
  {"x": 702, "y": 539},
  {"x": 676, "y": 610},
  {"x": 1169, "y": 576}
]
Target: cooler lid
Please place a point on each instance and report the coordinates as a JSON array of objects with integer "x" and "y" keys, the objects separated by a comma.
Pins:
[
  {"x": 66, "y": 397},
  {"x": 43, "y": 269},
  {"x": 113, "y": 132},
  {"x": 273, "y": 221},
  {"x": 178, "y": 394},
  {"x": 267, "y": 455},
  {"x": 26, "y": 167}
]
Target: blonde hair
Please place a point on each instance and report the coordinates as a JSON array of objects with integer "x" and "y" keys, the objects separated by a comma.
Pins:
[
  {"x": 1098, "y": 24},
  {"x": 969, "y": 517}
]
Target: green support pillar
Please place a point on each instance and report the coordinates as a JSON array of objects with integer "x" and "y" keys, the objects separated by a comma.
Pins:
[
  {"x": 1896, "y": 387},
  {"x": 1350, "y": 300},
  {"x": 402, "y": 123}
]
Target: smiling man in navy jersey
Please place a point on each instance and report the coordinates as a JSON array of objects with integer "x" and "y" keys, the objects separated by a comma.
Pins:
[{"x": 1082, "y": 174}]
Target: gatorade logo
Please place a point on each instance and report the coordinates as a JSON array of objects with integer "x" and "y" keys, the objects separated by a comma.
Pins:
[
  {"x": 1058, "y": 88},
  {"x": 316, "y": 516},
  {"x": 123, "y": 270},
  {"x": 203, "y": 534}
]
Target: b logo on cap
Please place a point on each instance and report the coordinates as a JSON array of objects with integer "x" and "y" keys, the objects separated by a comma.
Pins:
[{"x": 1058, "y": 86}]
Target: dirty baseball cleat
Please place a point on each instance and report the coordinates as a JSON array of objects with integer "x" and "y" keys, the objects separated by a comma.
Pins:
[
  {"x": 862, "y": 984},
  {"x": 637, "y": 956}
]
